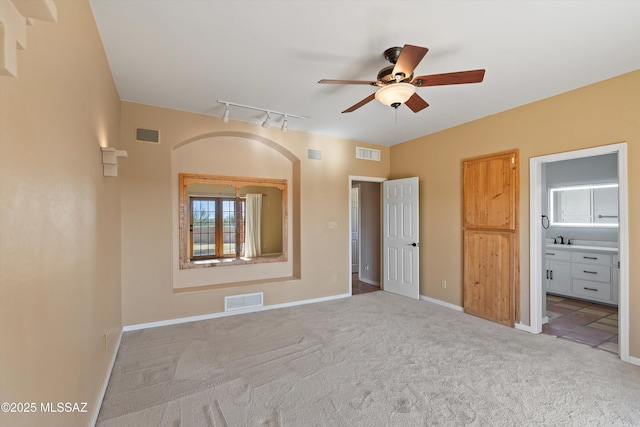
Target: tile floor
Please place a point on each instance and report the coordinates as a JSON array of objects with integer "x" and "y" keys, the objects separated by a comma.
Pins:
[
  {"x": 358, "y": 287},
  {"x": 586, "y": 322}
]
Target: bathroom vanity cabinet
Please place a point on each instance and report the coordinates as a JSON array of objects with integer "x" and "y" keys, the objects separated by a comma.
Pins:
[{"x": 583, "y": 272}]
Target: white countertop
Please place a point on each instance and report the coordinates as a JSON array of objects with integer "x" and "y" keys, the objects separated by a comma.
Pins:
[{"x": 605, "y": 249}]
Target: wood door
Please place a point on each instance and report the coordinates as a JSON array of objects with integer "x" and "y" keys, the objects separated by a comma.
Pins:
[
  {"x": 400, "y": 237},
  {"x": 490, "y": 233},
  {"x": 489, "y": 192}
]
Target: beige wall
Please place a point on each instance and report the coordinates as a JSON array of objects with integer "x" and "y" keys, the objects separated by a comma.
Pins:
[
  {"x": 60, "y": 220},
  {"x": 604, "y": 113},
  {"x": 320, "y": 191}
]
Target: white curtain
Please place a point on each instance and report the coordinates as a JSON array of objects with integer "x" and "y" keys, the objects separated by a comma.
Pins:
[{"x": 253, "y": 217}]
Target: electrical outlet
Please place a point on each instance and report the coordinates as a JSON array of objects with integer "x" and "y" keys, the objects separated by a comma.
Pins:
[
  {"x": 366, "y": 267},
  {"x": 444, "y": 284},
  {"x": 334, "y": 279},
  {"x": 106, "y": 339}
]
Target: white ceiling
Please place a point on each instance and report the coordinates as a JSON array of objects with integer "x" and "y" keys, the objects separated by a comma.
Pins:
[{"x": 187, "y": 54}]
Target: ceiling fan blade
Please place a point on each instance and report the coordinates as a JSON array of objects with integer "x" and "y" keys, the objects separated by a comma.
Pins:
[
  {"x": 346, "y": 82},
  {"x": 361, "y": 103},
  {"x": 460, "y": 77},
  {"x": 416, "y": 103},
  {"x": 409, "y": 59}
]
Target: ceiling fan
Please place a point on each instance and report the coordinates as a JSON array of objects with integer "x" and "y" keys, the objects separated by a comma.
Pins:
[{"x": 397, "y": 83}]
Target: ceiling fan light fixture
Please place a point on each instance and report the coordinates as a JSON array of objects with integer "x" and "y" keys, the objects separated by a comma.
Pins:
[{"x": 395, "y": 94}]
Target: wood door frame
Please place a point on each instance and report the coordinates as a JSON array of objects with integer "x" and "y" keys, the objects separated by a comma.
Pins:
[
  {"x": 536, "y": 244},
  {"x": 353, "y": 178}
]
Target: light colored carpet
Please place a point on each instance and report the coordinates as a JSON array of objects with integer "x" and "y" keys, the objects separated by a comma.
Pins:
[{"x": 369, "y": 360}]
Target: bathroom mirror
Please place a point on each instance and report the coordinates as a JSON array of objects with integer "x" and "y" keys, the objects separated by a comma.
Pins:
[
  {"x": 584, "y": 206},
  {"x": 231, "y": 220}
]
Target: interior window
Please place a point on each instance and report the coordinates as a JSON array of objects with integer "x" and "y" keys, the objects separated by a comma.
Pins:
[
  {"x": 216, "y": 227},
  {"x": 231, "y": 220}
]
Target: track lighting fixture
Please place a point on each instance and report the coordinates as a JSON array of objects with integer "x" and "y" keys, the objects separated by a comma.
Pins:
[
  {"x": 267, "y": 120},
  {"x": 265, "y": 124}
]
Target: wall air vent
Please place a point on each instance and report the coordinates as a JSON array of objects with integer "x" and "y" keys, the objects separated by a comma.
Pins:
[
  {"x": 314, "y": 154},
  {"x": 237, "y": 302},
  {"x": 367, "y": 154},
  {"x": 148, "y": 135}
]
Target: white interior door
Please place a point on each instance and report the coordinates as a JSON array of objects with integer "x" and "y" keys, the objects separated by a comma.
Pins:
[
  {"x": 355, "y": 230},
  {"x": 400, "y": 237}
]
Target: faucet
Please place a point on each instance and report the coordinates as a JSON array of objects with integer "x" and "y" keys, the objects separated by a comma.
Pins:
[{"x": 561, "y": 240}]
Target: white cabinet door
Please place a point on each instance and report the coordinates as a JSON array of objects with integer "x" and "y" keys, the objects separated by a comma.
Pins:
[{"x": 559, "y": 276}]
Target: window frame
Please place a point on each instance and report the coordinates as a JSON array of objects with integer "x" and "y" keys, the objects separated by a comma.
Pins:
[
  {"x": 186, "y": 261},
  {"x": 239, "y": 208}
]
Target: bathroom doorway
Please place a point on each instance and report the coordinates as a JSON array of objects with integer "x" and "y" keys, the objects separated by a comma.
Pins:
[{"x": 542, "y": 244}]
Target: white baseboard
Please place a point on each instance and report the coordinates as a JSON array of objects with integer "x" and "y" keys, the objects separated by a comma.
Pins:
[
  {"x": 105, "y": 383},
  {"x": 442, "y": 303},
  {"x": 228, "y": 313},
  {"x": 523, "y": 327},
  {"x": 634, "y": 360}
]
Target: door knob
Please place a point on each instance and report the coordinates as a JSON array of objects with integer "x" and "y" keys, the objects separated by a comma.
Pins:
[{"x": 414, "y": 244}]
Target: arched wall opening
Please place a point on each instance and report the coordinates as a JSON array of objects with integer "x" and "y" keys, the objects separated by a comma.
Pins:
[{"x": 239, "y": 154}]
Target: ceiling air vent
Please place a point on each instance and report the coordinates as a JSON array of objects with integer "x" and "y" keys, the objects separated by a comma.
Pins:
[
  {"x": 367, "y": 154},
  {"x": 148, "y": 135}
]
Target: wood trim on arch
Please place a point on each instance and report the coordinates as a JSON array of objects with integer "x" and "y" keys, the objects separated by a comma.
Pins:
[{"x": 237, "y": 182}]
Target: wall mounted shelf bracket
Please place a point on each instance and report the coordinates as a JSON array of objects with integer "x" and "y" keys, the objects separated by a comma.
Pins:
[{"x": 110, "y": 160}]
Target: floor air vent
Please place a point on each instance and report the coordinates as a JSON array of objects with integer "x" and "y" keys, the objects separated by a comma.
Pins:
[{"x": 237, "y": 302}]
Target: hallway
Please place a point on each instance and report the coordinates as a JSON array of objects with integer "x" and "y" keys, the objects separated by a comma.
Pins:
[{"x": 358, "y": 287}]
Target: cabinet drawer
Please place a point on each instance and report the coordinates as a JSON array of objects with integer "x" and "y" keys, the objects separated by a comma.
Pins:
[
  {"x": 591, "y": 290},
  {"x": 555, "y": 254},
  {"x": 591, "y": 258},
  {"x": 598, "y": 273}
]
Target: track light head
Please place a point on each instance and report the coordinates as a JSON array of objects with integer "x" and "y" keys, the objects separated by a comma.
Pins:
[
  {"x": 265, "y": 124},
  {"x": 225, "y": 117},
  {"x": 267, "y": 120}
]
